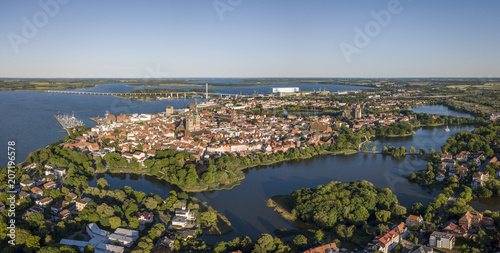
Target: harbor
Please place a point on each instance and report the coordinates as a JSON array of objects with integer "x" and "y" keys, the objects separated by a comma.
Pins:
[{"x": 67, "y": 122}]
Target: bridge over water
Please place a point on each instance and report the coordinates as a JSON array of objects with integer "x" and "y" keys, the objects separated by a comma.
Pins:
[{"x": 172, "y": 94}]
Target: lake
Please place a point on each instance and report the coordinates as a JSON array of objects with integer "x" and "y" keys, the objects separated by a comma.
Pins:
[
  {"x": 483, "y": 204},
  {"x": 28, "y": 120},
  {"x": 440, "y": 110},
  {"x": 245, "y": 204}
]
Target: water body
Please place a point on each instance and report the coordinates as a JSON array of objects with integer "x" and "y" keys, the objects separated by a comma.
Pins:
[
  {"x": 243, "y": 90},
  {"x": 245, "y": 205},
  {"x": 28, "y": 120},
  {"x": 483, "y": 204},
  {"x": 424, "y": 137},
  {"x": 440, "y": 110},
  {"x": 27, "y": 116}
]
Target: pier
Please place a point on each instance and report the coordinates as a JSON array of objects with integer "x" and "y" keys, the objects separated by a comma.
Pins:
[{"x": 67, "y": 122}]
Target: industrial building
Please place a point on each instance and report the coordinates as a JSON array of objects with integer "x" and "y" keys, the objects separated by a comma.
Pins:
[{"x": 285, "y": 89}]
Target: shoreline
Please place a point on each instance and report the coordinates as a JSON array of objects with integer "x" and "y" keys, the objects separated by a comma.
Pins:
[{"x": 228, "y": 184}]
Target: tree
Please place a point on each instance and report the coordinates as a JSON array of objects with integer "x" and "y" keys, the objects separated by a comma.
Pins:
[
  {"x": 432, "y": 151},
  {"x": 182, "y": 195},
  {"x": 382, "y": 215},
  {"x": 374, "y": 148},
  {"x": 102, "y": 183},
  {"x": 360, "y": 215},
  {"x": 412, "y": 150},
  {"x": 319, "y": 235},
  {"x": 265, "y": 243},
  {"x": 36, "y": 220},
  {"x": 133, "y": 222},
  {"x": 483, "y": 239},
  {"x": 300, "y": 241},
  {"x": 115, "y": 222},
  {"x": 417, "y": 208},
  {"x": 398, "y": 210},
  {"x": 88, "y": 249},
  {"x": 381, "y": 228},
  {"x": 151, "y": 203},
  {"x": 33, "y": 242},
  {"x": 344, "y": 231}
]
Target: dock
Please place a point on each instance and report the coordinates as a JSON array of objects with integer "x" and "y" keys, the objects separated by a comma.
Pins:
[{"x": 67, "y": 121}]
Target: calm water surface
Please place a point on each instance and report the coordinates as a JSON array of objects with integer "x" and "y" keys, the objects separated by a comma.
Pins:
[
  {"x": 28, "y": 120},
  {"x": 440, "y": 110},
  {"x": 483, "y": 204}
]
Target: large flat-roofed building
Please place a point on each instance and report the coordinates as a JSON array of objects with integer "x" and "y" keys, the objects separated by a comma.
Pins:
[
  {"x": 442, "y": 240},
  {"x": 125, "y": 237},
  {"x": 285, "y": 89}
]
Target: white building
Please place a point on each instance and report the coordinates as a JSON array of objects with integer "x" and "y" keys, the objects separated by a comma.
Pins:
[{"x": 285, "y": 89}]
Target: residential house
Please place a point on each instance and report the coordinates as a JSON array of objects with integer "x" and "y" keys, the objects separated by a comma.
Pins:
[
  {"x": 386, "y": 241},
  {"x": 463, "y": 171},
  {"x": 36, "y": 209},
  {"x": 479, "y": 179},
  {"x": 471, "y": 221},
  {"x": 327, "y": 248},
  {"x": 448, "y": 164},
  {"x": 82, "y": 203},
  {"x": 145, "y": 217},
  {"x": 463, "y": 156},
  {"x": 455, "y": 229},
  {"x": 64, "y": 214},
  {"x": 179, "y": 221},
  {"x": 414, "y": 219},
  {"x": 59, "y": 206},
  {"x": 2, "y": 206},
  {"x": 36, "y": 192},
  {"x": 442, "y": 240},
  {"x": 446, "y": 156},
  {"x": 440, "y": 176},
  {"x": 166, "y": 241},
  {"x": 28, "y": 183},
  {"x": 187, "y": 233},
  {"x": 139, "y": 156},
  {"x": 402, "y": 230},
  {"x": 50, "y": 185},
  {"x": 44, "y": 201},
  {"x": 72, "y": 196},
  {"x": 182, "y": 217},
  {"x": 60, "y": 172},
  {"x": 23, "y": 195}
]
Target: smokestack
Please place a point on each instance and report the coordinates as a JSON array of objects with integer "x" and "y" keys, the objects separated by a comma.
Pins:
[{"x": 206, "y": 93}]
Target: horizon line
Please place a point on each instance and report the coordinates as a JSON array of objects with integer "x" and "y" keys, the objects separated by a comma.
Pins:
[{"x": 162, "y": 78}]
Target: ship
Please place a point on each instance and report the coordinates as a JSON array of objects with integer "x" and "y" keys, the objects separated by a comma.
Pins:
[{"x": 447, "y": 129}]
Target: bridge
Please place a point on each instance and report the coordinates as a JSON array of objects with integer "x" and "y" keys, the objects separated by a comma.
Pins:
[{"x": 172, "y": 94}]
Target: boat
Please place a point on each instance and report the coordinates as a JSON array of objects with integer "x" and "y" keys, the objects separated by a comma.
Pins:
[{"x": 447, "y": 129}]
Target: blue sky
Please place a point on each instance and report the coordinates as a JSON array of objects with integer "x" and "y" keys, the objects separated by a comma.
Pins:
[{"x": 250, "y": 38}]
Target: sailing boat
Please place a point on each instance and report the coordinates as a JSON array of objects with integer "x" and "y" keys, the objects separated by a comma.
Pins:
[{"x": 447, "y": 129}]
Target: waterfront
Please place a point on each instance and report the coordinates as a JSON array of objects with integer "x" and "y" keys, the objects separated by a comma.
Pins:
[
  {"x": 440, "y": 110},
  {"x": 245, "y": 205},
  {"x": 28, "y": 115}
]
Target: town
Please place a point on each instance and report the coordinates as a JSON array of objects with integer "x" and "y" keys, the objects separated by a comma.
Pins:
[{"x": 57, "y": 197}]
